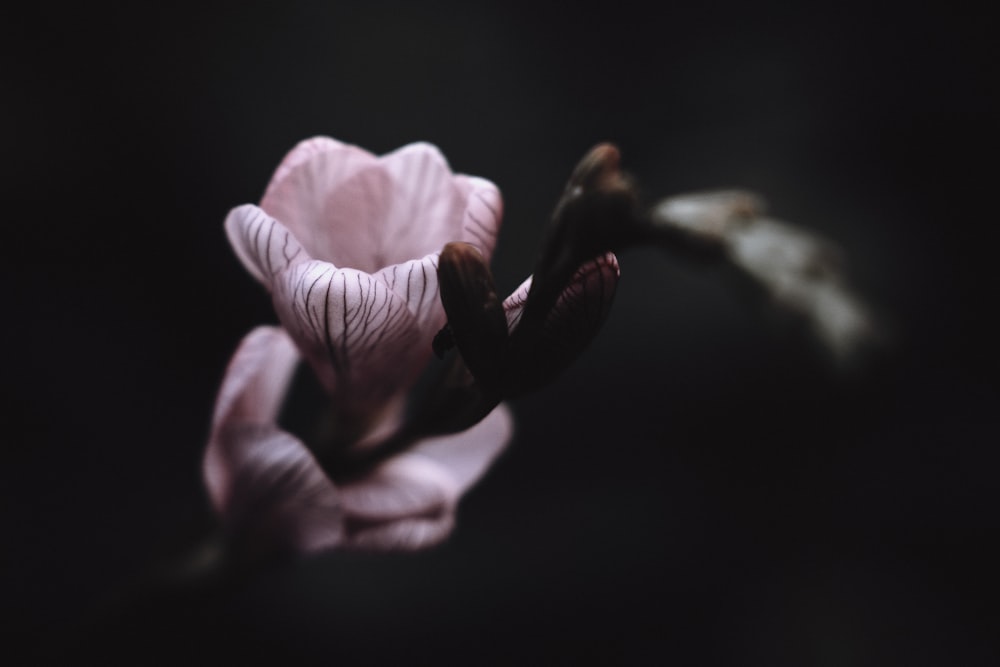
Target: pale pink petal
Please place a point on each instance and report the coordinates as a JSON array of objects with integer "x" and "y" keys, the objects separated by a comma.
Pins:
[
  {"x": 513, "y": 306},
  {"x": 426, "y": 206},
  {"x": 266, "y": 485},
  {"x": 405, "y": 535},
  {"x": 302, "y": 152},
  {"x": 263, "y": 245},
  {"x": 356, "y": 333},
  {"x": 483, "y": 213},
  {"x": 416, "y": 281},
  {"x": 409, "y": 501},
  {"x": 466, "y": 456},
  {"x": 404, "y": 486},
  {"x": 336, "y": 204},
  {"x": 278, "y": 500},
  {"x": 256, "y": 378}
]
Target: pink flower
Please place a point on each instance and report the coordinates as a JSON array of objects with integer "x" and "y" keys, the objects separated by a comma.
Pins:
[
  {"x": 275, "y": 498},
  {"x": 347, "y": 244}
]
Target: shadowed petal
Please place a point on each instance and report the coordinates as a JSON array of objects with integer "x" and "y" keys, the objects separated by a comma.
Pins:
[
  {"x": 585, "y": 302},
  {"x": 574, "y": 320},
  {"x": 354, "y": 330},
  {"x": 404, "y": 486},
  {"x": 272, "y": 495},
  {"x": 278, "y": 499},
  {"x": 467, "y": 455},
  {"x": 406, "y": 535},
  {"x": 263, "y": 245},
  {"x": 409, "y": 501}
]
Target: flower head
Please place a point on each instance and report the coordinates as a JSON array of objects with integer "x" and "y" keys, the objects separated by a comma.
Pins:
[{"x": 347, "y": 243}]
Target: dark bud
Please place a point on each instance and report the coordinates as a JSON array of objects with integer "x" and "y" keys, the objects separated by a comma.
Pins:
[{"x": 475, "y": 313}]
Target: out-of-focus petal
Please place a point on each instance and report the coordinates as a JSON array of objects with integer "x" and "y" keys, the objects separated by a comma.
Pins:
[
  {"x": 278, "y": 500},
  {"x": 409, "y": 501},
  {"x": 356, "y": 332},
  {"x": 264, "y": 482},
  {"x": 467, "y": 455},
  {"x": 404, "y": 486},
  {"x": 263, "y": 245},
  {"x": 404, "y": 535}
]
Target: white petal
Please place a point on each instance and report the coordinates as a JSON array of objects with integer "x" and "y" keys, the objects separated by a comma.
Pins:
[{"x": 263, "y": 245}]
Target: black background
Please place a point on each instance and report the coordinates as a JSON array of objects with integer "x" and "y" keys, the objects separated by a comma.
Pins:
[{"x": 698, "y": 489}]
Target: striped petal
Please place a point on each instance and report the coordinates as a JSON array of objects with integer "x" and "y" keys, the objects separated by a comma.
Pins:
[
  {"x": 483, "y": 213},
  {"x": 577, "y": 316},
  {"x": 268, "y": 488},
  {"x": 355, "y": 331},
  {"x": 416, "y": 282},
  {"x": 263, "y": 245}
]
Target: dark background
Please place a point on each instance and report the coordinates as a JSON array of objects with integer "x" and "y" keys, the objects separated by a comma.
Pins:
[{"x": 699, "y": 489}]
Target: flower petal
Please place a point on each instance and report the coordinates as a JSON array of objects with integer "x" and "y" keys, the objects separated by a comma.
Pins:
[
  {"x": 416, "y": 281},
  {"x": 467, "y": 455},
  {"x": 263, "y": 245},
  {"x": 409, "y": 501},
  {"x": 356, "y": 332},
  {"x": 302, "y": 152},
  {"x": 405, "y": 535},
  {"x": 271, "y": 493},
  {"x": 404, "y": 486},
  {"x": 483, "y": 213},
  {"x": 574, "y": 320},
  {"x": 426, "y": 207},
  {"x": 335, "y": 203},
  {"x": 278, "y": 500}
]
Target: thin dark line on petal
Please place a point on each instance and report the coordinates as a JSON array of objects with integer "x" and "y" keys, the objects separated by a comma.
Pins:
[
  {"x": 483, "y": 226},
  {"x": 482, "y": 198},
  {"x": 331, "y": 351},
  {"x": 270, "y": 263}
]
